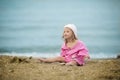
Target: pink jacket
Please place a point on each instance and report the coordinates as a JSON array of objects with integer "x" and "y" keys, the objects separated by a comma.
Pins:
[{"x": 77, "y": 53}]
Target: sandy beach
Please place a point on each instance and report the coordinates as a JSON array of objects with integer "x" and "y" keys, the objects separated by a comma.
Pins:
[{"x": 26, "y": 68}]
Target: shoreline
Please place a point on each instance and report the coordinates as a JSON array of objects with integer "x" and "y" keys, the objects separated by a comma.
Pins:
[
  {"x": 26, "y": 68},
  {"x": 48, "y": 55}
]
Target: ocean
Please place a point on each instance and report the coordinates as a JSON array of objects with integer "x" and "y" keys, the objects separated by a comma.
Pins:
[{"x": 35, "y": 27}]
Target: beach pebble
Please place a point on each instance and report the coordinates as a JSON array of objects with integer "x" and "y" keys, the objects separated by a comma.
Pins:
[
  {"x": 30, "y": 57},
  {"x": 118, "y": 56},
  {"x": 69, "y": 70},
  {"x": 19, "y": 60},
  {"x": 62, "y": 64},
  {"x": 11, "y": 70},
  {"x": 14, "y": 59}
]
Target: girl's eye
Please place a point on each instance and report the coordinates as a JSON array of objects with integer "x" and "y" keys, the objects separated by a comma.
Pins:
[{"x": 67, "y": 31}]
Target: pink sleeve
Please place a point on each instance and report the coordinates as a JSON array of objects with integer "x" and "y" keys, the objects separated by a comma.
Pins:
[{"x": 83, "y": 51}]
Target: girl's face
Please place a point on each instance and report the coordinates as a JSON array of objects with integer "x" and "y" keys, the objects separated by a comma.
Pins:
[{"x": 67, "y": 33}]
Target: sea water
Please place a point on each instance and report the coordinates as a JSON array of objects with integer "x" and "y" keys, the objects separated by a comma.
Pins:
[{"x": 35, "y": 27}]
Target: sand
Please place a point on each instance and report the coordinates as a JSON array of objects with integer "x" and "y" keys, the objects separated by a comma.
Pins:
[{"x": 26, "y": 68}]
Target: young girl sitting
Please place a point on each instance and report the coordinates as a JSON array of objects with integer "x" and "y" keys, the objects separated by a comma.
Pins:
[{"x": 73, "y": 51}]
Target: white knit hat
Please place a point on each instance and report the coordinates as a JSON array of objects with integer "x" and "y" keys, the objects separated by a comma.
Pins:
[{"x": 72, "y": 27}]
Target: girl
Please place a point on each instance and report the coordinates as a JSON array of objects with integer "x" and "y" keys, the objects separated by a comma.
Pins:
[{"x": 73, "y": 51}]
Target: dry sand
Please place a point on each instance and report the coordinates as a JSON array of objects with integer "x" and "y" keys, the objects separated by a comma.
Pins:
[{"x": 26, "y": 68}]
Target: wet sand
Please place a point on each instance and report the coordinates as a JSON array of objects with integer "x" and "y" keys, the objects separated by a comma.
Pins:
[{"x": 26, "y": 68}]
